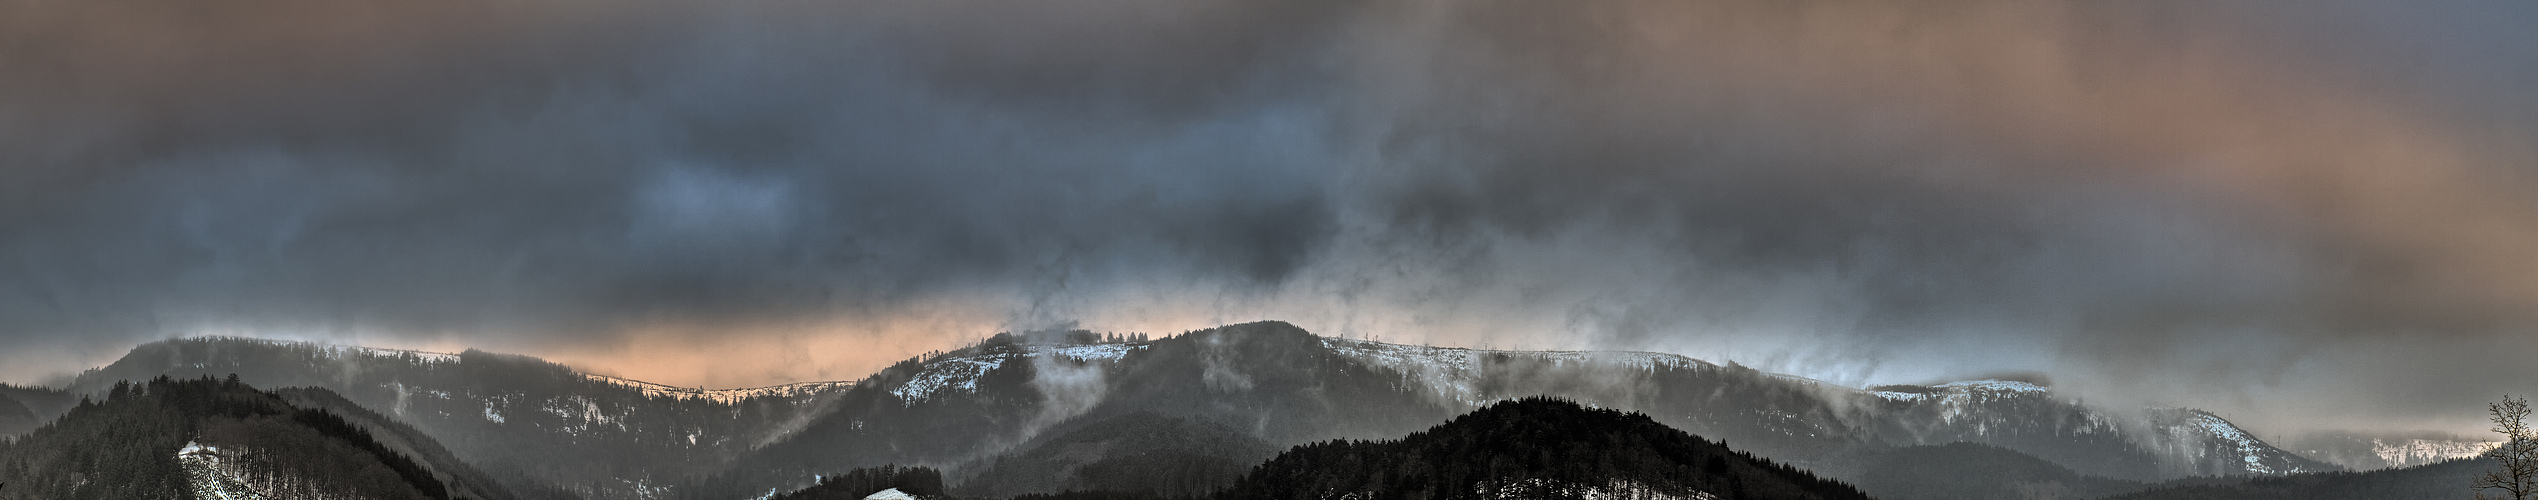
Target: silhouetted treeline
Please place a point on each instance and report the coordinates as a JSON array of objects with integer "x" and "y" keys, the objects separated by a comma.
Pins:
[
  {"x": 1094, "y": 495},
  {"x": 1062, "y": 337},
  {"x": 1532, "y": 448},
  {"x": 858, "y": 483}
]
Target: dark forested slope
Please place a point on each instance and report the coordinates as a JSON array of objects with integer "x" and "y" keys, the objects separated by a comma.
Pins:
[
  {"x": 526, "y": 417},
  {"x": 406, "y": 440},
  {"x": 23, "y": 408},
  {"x": 2438, "y": 481},
  {"x": 1533, "y": 448},
  {"x": 1139, "y": 452},
  {"x": 177, "y": 439}
]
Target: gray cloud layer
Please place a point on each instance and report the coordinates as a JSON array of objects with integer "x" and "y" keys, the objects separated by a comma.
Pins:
[{"x": 2255, "y": 205}]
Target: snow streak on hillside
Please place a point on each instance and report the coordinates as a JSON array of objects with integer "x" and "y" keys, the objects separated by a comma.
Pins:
[
  {"x": 214, "y": 473},
  {"x": 959, "y": 373},
  {"x": 1617, "y": 490},
  {"x": 1959, "y": 394},
  {"x": 213, "y": 476}
]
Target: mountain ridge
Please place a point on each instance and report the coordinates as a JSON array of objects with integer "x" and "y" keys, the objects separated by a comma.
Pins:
[{"x": 1270, "y": 380}]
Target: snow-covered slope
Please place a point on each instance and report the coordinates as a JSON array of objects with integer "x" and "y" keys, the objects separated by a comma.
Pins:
[{"x": 2203, "y": 434}]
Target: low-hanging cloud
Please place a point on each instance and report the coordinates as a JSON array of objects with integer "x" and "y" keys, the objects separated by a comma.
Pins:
[{"x": 2231, "y": 206}]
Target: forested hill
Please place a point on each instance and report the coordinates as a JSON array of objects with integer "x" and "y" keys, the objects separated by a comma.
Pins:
[
  {"x": 205, "y": 438},
  {"x": 1533, "y": 448},
  {"x": 2438, "y": 480}
]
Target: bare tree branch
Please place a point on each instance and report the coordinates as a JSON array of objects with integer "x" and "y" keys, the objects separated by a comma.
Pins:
[{"x": 2516, "y": 461}]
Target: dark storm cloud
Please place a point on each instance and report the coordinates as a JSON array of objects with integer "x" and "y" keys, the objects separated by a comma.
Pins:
[
  {"x": 2170, "y": 198},
  {"x": 2163, "y": 194},
  {"x": 566, "y": 165}
]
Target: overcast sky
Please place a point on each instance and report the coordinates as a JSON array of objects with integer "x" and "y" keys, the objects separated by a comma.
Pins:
[{"x": 2309, "y": 214}]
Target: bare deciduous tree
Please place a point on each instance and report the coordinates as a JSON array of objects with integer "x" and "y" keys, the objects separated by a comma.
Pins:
[{"x": 2516, "y": 461}]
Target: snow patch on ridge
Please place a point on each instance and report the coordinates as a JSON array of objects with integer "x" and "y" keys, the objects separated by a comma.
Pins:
[
  {"x": 797, "y": 391},
  {"x": 1095, "y": 352},
  {"x": 1616, "y": 490},
  {"x": 1960, "y": 392},
  {"x": 1994, "y": 385},
  {"x": 1900, "y": 396},
  {"x": 959, "y": 374},
  {"x": 2412, "y": 452},
  {"x": 2198, "y": 430},
  {"x": 1961, "y": 399}
]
